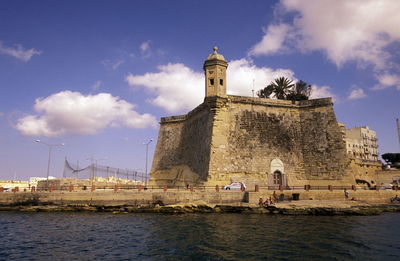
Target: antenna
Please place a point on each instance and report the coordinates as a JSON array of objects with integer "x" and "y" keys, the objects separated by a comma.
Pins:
[
  {"x": 253, "y": 88},
  {"x": 398, "y": 129}
]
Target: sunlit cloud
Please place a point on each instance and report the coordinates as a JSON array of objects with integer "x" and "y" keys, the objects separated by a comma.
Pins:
[
  {"x": 322, "y": 92},
  {"x": 74, "y": 113},
  {"x": 112, "y": 64},
  {"x": 95, "y": 86},
  {"x": 387, "y": 80},
  {"x": 19, "y": 52},
  {"x": 360, "y": 31},
  {"x": 177, "y": 88},
  {"x": 145, "y": 46},
  {"x": 356, "y": 94}
]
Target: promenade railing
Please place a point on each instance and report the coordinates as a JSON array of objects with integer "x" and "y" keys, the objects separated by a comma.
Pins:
[{"x": 189, "y": 188}]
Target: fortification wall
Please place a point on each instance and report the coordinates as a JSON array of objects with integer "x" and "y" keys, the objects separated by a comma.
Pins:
[
  {"x": 249, "y": 133},
  {"x": 183, "y": 152},
  {"x": 365, "y": 170},
  {"x": 387, "y": 176},
  {"x": 324, "y": 150},
  {"x": 236, "y": 139}
]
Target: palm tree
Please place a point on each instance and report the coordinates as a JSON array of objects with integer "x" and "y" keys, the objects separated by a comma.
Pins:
[
  {"x": 301, "y": 91},
  {"x": 266, "y": 92},
  {"x": 280, "y": 87}
]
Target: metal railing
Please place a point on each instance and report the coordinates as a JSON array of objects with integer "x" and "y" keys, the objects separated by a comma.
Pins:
[{"x": 143, "y": 188}]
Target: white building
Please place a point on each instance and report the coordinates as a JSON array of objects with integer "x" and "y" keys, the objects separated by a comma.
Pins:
[
  {"x": 361, "y": 143},
  {"x": 33, "y": 181}
]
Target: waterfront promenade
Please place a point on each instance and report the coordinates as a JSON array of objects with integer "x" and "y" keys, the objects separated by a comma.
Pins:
[{"x": 310, "y": 202}]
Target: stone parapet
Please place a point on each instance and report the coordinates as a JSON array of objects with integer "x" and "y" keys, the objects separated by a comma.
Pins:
[
  {"x": 172, "y": 119},
  {"x": 280, "y": 103}
]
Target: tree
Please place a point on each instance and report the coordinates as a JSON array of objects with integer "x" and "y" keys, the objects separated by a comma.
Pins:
[
  {"x": 301, "y": 91},
  {"x": 266, "y": 92},
  {"x": 392, "y": 158},
  {"x": 283, "y": 88},
  {"x": 280, "y": 87}
]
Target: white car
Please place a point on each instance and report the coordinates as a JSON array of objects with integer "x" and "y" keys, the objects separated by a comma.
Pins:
[
  {"x": 234, "y": 186},
  {"x": 386, "y": 187}
]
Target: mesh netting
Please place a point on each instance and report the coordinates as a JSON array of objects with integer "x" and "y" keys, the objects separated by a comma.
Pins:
[{"x": 96, "y": 170}]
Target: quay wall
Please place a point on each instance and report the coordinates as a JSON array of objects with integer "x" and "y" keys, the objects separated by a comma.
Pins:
[
  {"x": 111, "y": 198},
  {"x": 368, "y": 196}
]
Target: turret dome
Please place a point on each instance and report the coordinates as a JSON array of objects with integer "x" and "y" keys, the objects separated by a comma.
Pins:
[{"x": 215, "y": 55}]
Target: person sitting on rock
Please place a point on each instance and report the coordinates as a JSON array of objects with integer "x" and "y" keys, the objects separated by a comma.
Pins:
[
  {"x": 268, "y": 202},
  {"x": 275, "y": 197},
  {"x": 260, "y": 202},
  {"x": 346, "y": 194}
]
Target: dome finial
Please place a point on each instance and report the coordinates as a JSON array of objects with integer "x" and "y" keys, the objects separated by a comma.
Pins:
[{"x": 215, "y": 49}]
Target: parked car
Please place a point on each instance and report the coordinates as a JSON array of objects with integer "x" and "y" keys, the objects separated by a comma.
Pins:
[
  {"x": 234, "y": 186},
  {"x": 386, "y": 187}
]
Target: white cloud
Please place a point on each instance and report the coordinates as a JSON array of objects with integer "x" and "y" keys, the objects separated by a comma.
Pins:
[
  {"x": 19, "y": 52},
  {"x": 357, "y": 30},
  {"x": 146, "y": 50},
  {"x": 95, "y": 86},
  {"x": 322, "y": 92},
  {"x": 112, "y": 65},
  {"x": 72, "y": 112},
  {"x": 357, "y": 93},
  {"x": 387, "y": 80},
  {"x": 272, "y": 40},
  {"x": 241, "y": 73},
  {"x": 178, "y": 88},
  {"x": 1, "y": 114},
  {"x": 145, "y": 46}
]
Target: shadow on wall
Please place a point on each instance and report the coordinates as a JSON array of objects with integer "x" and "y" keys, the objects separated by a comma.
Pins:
[{"x": 177, "y": 176}]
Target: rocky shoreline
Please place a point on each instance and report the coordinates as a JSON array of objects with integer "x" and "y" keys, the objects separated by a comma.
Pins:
[{"x": 330, "y": 208}]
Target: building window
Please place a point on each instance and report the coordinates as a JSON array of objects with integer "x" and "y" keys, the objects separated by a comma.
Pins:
[
  {"x": 221, "y": 82},
  {"x": 211, "y": 81}
]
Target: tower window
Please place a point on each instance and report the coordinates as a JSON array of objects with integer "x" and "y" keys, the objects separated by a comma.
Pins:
[
  {"x": 211, "y": 81},
  {"x": 221, "y": 82}
]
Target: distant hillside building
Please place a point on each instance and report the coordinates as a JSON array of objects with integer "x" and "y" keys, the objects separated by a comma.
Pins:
[
  {"x": 361, "y": 143},
  {"x": 258, "y": 141}
]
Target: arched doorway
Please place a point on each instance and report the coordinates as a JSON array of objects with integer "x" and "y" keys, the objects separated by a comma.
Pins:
[{"x": 276, "y": 177}]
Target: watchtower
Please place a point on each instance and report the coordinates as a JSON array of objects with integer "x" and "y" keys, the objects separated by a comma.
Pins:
[{"x": 215, "y": 74}]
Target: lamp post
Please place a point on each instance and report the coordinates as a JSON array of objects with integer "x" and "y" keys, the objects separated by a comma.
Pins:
[
  {"x": 93, "y": 164},
  {"x": 50, "y": 146},
  {"x": 147, "y": 153}
]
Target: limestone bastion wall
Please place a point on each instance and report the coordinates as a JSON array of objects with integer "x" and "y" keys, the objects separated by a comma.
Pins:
[
  {"x": 249, "y": 133},
  {"x": 324, "y": 150},
  {"x": 238, "y": 139},
  {"x": 182, "y": 153}
]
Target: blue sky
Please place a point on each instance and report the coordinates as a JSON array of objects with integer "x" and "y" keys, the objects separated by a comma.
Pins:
[{"x": 98, "y": 75}]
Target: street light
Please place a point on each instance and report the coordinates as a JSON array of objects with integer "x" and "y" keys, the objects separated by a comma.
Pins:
[
  {"x": 147, "y": 152},
  {"x": 50, "y": 146}
]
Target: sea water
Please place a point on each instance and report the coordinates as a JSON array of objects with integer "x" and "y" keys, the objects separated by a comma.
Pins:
[{"x": 106, "y": 236}]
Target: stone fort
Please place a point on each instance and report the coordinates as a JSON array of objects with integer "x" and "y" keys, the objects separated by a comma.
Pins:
[{"x": 260, "y": 141}]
